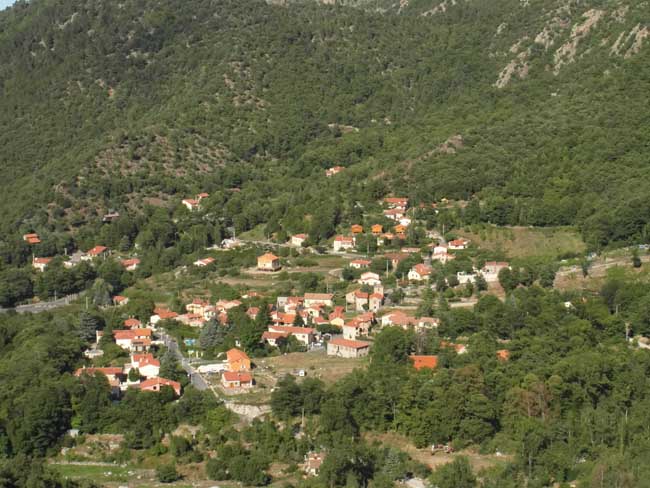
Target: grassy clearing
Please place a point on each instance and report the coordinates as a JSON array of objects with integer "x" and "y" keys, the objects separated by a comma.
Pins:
[
  {"x": 101, "y": 473},
  {"x": 522, "y": 242},
  {"x": 315, "y": 364}
]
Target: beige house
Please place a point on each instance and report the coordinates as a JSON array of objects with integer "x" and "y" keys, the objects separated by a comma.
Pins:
[
  {"x": 345, "y": 348},
  {"x": 312, "y": 299},
  {"x": 298, "y": 239},
  {"x": 268, "y": 262}
]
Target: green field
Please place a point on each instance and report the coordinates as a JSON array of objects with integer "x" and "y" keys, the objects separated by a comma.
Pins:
[
  {"x": 98, "y": 473},
  {"x": 522, "y": 242}
]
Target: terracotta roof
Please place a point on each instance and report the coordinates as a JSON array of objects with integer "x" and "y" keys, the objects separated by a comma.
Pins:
[
  {"x": 503, "y": 354},
  {"x": 131, "y": 334},
  {"x": 361, "y": 262},
  {"x": 167, "y": 314},
  {"x": 344, "y": 239},
  {"x": 107, "y": 371},
  {"x": 293, "y": 330},
  {"x": 338, "y": 341},
  {"x": 146, "y": 384},
  {"x": 422, "y": 269},
  {"x": 236, "y": 376},
  {"x": 301, "y": 236},
  {"x": 42, "y": 260},
  {"x": 318, "y": 296},
  {"x": 274, "y": 335},
  {"x": 421, "y": 362},
  {"x": 131, "y": 323},
  {"x": 235, "y": 355},
  {"x": 119, "y": 298},
  {"x": 267, "y": 258},
  {"x": 97, "y": 250},
  {"x": 130, "y": 262}
]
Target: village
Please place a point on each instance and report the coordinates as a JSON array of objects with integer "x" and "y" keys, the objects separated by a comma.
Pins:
[
  {"x": 366, "y": 297},
  {"x": 389, "y": 270}
]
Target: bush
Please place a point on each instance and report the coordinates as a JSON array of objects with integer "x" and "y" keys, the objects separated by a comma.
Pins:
[{"x": 166, "y": 473}]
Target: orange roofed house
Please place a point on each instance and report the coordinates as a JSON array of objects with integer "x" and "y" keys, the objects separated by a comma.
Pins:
[
  {"x": 424, "y": 362},
  {"x": 232, "y": 380},
  {"x": 268, "y": 262},
  {"x": 95, "y": 252},
  {"x": 238, "y": 360},
  {"x": 31, "y": 239},
  {"x": 357, "y": 229},
  {"x": 156, "y": 384}
]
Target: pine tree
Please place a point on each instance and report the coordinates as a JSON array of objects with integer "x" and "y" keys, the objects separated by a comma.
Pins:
[
  {"x": 169, "y": 367},
  {"x": 298, "y": 321},
  {"x": 263, "y": 316},
  {"x": 87, "y": 326},
  {"x": 210, "y": 336}
]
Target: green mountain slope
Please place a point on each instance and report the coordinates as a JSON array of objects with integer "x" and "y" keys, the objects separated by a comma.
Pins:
[{"x": 115, "y": 105}]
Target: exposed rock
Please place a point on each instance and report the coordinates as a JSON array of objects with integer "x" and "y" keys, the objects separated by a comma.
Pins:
[
  {"x": 517, "y": 67},
  {"x": 567, "y": 52}
]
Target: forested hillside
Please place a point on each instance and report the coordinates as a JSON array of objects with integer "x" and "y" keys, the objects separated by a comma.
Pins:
[{"x": 111, "y": 105}]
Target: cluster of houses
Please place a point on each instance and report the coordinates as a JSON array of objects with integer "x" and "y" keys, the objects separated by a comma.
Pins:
[
  {"x": 122, "y": 378},
  {"x": 41, "y": 263}
]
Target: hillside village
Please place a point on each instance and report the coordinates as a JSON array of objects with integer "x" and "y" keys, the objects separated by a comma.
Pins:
[
  {"x": 368, "y": 295},
  {"x": 360, "y": 244}
]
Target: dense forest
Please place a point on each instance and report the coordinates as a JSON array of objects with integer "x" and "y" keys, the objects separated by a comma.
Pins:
[{"x": 111, "y": 106}]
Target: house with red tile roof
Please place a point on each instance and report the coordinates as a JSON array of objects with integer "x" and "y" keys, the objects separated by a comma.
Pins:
[
  {"x": 377, "y": 229},
  {"x": 325, "y": 299},
  {"x": 420, "y": 272},
  {"x": 238, "y": 360},
  {"x": 120, "y": 300},
  {"x": 231, "y": 380},
  {"x": 156, "y": 384},
  {"x": 95, "y": 252},
  {"x": 130, "y": 264},
  {"x": 147, "y": 365},
  {"x": 345, "y": 348},
  {"x": 356, "y": 229},
  {"x": 398, "y": 319},
  {"x": 304, "y": 335},
  {"x": 39, "y": 264},
  {"x": 268, "y": 262},
  {"x": 394, "y": 214},
  {"x": 32, "y": 239},
  {"x": 369, "y": 278},
  {"x": 396, "y": 202},
  {"x": 458, "y": 244},
  {"x": 424, "y": 362},
  {"x": 133, "y": 339},
  {"x": 503, "y": 355},
  {"x": 360, "y": 263},
  {"x": 191, "y": 204},
  {"x": 272, "y": 338},
  {"x": 132, "y": 323},
  {"x": 343, "y": 243},
  {"x": 299, "y": 239}
]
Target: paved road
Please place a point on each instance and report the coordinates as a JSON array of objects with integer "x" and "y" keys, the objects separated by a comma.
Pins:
[
  {"x": 42, "y": 306},
  {"x": 196, "y": 378}
]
